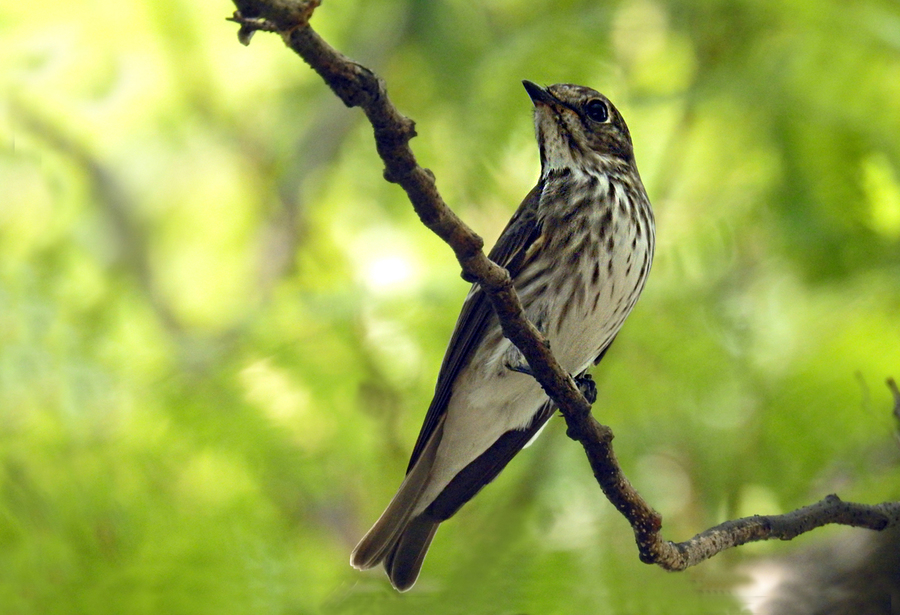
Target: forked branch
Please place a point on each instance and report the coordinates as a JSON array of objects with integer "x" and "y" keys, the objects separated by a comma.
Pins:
[{"x": 357, "y": 86}]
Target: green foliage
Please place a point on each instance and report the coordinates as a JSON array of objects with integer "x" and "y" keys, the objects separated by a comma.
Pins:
[{"x": 219, "y": 326}]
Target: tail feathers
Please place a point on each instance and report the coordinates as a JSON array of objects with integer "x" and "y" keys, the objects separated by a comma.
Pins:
[
  {"x": 388, "y": 533},
  {"x": 405, "y": 558}
]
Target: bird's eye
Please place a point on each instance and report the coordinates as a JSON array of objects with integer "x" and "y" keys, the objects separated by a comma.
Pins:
[{"x": 597, "y": 110}]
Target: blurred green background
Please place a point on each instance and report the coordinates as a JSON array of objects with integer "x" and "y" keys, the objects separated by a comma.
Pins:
[{"x": 220, "y": 328}]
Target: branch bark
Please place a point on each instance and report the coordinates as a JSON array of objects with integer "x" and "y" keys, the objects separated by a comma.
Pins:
[{"x": 357, "y": 86}]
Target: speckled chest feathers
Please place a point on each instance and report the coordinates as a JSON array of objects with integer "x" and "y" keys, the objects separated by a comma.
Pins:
[{"x": 589, "y": 265}]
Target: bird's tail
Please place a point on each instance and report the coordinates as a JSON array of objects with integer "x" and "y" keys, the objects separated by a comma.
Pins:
[
  {"x": 398, "y": 538},
  {"x": 404, "y": 561}
]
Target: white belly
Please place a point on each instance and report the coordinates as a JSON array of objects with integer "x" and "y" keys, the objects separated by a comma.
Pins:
[
  {"x": 483, "y": 407},
  {"x": 489, "y": 399}
]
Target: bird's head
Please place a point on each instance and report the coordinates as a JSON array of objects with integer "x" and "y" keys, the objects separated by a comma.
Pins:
[{"x": 578, "y": 128}]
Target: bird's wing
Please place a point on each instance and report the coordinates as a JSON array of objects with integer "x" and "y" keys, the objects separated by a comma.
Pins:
[
  {"x": 487, "y": 466},
  {"x": 510, "y": 251}
]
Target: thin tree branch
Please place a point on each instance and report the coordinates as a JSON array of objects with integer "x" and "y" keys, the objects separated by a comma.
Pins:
[
  {"x": 831, "y": 509},
  {"x": 357, "y": 86}
]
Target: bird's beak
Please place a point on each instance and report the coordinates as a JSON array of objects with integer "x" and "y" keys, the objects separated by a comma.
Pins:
[{"x": 538, "y": 94}]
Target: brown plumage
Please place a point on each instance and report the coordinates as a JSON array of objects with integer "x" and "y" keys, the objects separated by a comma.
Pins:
[{"x": 579, "y": 250}]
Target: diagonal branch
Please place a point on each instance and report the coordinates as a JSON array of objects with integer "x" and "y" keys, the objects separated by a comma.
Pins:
[{"x": 357, "y": 86}]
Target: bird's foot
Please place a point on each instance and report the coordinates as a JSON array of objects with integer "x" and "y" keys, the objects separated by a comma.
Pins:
[
  {"x": 514, "y": 359},
  {"x": 587, "y": 387},
  {"x": 521, "y": 368},
  {"x": 585, "y": 382}
]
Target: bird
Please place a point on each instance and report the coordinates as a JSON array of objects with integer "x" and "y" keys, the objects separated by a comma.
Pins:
[{"x": 578, "y": 249}]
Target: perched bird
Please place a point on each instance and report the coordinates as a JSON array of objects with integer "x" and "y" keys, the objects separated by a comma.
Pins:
[{"x": 579, "y": 250}]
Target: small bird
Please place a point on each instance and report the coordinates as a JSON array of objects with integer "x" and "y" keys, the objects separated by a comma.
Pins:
[{"x": 578, "y": 249}]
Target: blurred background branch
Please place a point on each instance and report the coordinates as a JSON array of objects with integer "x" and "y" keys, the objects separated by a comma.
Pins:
[{"x": 131, "y": 250}]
